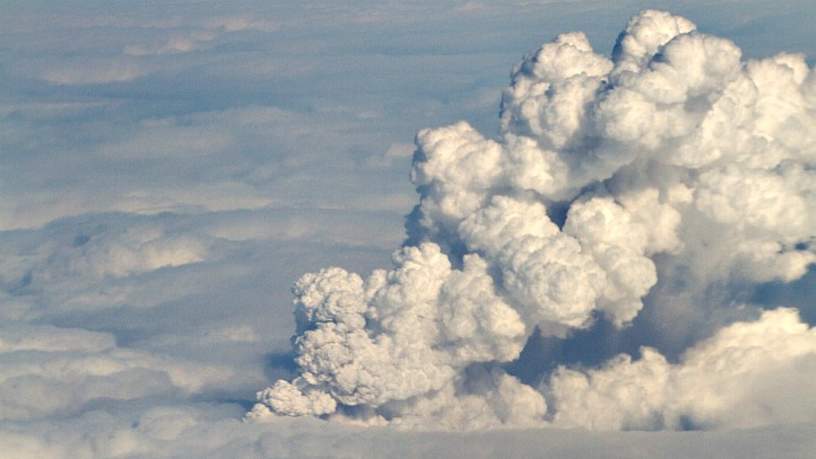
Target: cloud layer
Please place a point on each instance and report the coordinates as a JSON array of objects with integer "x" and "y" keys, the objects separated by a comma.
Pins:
[
  {"x": 670, "y": 176},
  {"x": 170, "y": 170}
]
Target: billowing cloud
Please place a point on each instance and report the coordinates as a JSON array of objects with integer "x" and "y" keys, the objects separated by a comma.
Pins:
[
  {"x": 747, "y": 374},
  {"x": 673, "y": 172},
  {"x": 169, "y": 172}
]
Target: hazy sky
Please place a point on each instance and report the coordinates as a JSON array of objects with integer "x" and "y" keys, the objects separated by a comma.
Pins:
[{"x": 170, "y": 169}]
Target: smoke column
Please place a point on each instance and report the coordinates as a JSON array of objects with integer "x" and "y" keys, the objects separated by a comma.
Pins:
[{"x": 647, "y": 195}]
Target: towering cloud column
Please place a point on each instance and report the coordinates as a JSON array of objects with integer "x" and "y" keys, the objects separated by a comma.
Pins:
[{"x": 672, "y": 157}]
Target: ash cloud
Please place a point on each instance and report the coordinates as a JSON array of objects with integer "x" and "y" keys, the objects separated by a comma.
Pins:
[{"x": 661, "y": 185}]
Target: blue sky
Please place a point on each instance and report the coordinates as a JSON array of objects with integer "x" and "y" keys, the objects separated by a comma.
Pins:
[{"x": 169, "y": 169}]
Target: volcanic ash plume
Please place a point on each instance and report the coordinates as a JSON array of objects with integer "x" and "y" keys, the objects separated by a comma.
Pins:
[{"x": 661, "y": 182}]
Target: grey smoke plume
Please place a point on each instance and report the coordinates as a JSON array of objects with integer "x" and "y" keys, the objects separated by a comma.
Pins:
[{"x": 660, "y": 183}]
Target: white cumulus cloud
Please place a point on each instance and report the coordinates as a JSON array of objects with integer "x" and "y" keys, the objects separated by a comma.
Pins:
[{"x": 672, "y": 166}]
